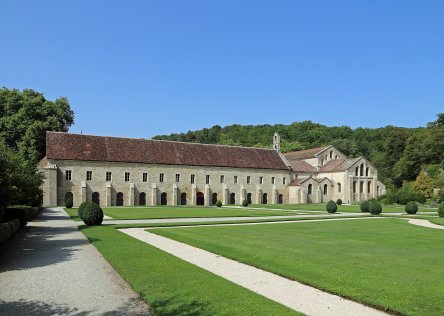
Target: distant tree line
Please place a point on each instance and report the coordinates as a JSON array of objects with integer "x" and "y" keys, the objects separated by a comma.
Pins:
[{"x": 399, "y": 154}]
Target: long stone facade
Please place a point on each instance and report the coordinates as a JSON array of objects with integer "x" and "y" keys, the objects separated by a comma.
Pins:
[{"x": 129, "y": 172}]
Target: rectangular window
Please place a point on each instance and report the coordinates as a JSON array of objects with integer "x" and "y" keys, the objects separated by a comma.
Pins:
[
  {"x": 193, "y": 178},
  {"x": 261, "y": 180},
  {"x": 177, "y": 177},
  {"x": 108, "y": 176},
  {"x": 207, "y": 179},
  {"x": 127, "y": 176},
  {"x": 272, "y": 180},
  {"x": 68, "y": 174},
  {"x": 284, "y": 180},
  {"x": 222, "y": 179},
  {"x": 235, "y": 179},
  {"x": 369, "y": 187},
  {"x": 89, "y": 175},
  {"x": 248, "y": 179},
  {"x": 144, "y": 177},
  {"x": 161, "y": 177}
]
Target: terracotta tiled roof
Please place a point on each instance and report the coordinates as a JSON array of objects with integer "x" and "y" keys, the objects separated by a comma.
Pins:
[
  {"x": 304, "y": 154},
  {"x": 65, "y": 146},
  {"x": 338, "y": 165},
  {"x": 301, "y": 166}
]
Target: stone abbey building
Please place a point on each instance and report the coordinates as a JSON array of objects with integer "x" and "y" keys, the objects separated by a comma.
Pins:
[{"x": 113, "y": 171}]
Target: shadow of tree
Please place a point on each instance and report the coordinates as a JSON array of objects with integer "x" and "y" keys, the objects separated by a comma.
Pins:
[
  {"x": 173, "y": 306},
  {"x": 23, "y": 307}
]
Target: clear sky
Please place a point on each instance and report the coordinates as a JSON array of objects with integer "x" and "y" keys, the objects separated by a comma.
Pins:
[{"x": 142, "y": 68}]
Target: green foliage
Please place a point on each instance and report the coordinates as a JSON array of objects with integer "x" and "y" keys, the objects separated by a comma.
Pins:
[
  {"x": 92, "y": 214},
  {"x": 69, "y": 203},
  {"x": 218, "y": 203},
  {"x": 441, "y": 210},
  {"x": 81, "y": 208},
  {"x": 245, "y": 203},
  {"x": 411, "y": 208},
  {"x": 424, "y": 183},
  {"x": 375, "y": 208},
  {"x": 26, "y": 115},
  {"x": 339, "y": 202},
  {"x": 365, "y": 206},
  {"x": 403, "y": 196},
  {"x": 331, "y": 207}
]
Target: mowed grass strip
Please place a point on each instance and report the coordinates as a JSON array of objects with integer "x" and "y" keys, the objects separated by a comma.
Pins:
[
  {"x": 172, "y": 286},
  {"x": 341, "y": 208},
  {"x": 386, "y": 263}
]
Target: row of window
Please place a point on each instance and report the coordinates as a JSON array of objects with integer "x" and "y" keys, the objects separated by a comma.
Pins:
[{"x": 89, "y": 176}]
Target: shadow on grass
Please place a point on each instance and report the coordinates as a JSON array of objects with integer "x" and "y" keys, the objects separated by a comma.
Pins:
[{"x": 173, "y": 306}]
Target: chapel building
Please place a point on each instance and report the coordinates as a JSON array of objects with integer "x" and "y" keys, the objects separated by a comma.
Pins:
[{"x": 114, "y": 171}]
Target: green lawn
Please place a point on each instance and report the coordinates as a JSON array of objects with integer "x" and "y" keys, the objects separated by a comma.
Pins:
[
  {"x": 341, "y": 208},
  {"x": 437, "y": 220},
  {"x": 179, "y": 212},
  {"x": 172, "y": 286},
  {"x": 386, "y": 263}
]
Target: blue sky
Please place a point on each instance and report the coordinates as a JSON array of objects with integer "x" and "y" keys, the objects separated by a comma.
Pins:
[{"x": 142, "y": 68}]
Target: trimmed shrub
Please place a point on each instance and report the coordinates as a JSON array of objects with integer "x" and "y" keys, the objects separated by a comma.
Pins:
[
  {"x": 92, "y": 214},
  {"x": 245, "y": 203},
  {"x": 81, "y": 208},
  {"x": 218, "y": 203},
  {"x": 331, "y": 207},
  {"x": 15, "y": 213},
  {"x": 339, "y": 202},
  {"x": 5, "y": 232},
  {"x": 441, "y": 210},
  {"x": 365, "y": 206},
  {"x": 403, "y": 196},
  {"x": 375, "y": 208},
  {"x": 68, "y": 203},
  {"x": 411, "y": 208}
]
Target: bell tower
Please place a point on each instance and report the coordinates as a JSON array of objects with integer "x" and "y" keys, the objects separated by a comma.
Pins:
[{"x": 277, "y": 142}]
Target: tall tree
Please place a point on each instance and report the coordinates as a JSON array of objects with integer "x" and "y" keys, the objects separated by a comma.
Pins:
[{"x": 26, "y": 115}]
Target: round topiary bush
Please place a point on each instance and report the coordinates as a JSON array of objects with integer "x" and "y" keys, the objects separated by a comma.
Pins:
[
  {"x": 331, "y": 207},
  {"x": 245, "y": 203},
  {"x": 411, "y": 208},
  {"x": 68, "y": 203},
  {"x": 365, "y": 206},
  {"x": 339, "y": 202},
  {"x": 441, "y": 210},
  {"x": 218, "y": 203},
  {"x": 375, "y": 208},
  {"x": 92, "y": 214},
  {"x": 81, "y": 208}
]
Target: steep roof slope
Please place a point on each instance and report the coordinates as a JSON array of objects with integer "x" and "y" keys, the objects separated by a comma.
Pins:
[
  {"x": 65, "y": 146},
  {"x": 304, "y": 154}
]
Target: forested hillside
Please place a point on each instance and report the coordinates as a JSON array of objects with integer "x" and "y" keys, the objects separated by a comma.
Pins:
[{"x": 398, "y": 153}]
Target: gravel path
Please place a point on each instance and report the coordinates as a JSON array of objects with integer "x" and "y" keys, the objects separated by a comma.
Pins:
[
  {"x": 292, "y": 294},
  {"x": 424, "y": 223},
  {"x": 50, "y": 268}
]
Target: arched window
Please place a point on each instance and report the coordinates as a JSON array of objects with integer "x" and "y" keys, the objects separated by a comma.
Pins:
[
  {"x": 339, "y": 187},
  {"x": 183, "y": 198},
  {"x": 310, "y": 188},
  {"x": 214, "y": 199},
  {"x": 233, "y": 198},
  {"x": 164, "y": 198},
  {"x": 354, "y": 186},
  {"x": 331, "y": 153},
  {"x": 280, "y": 199},
  {"x": 369, "y": 187},
  {"x": 325, "y": 189},
  {"x": 142, "y": 198},
  {"x": 361, "y": 187},
  {"x": 96, "y": 198},
  {"x": 362, "y": 170},
  {"x": 249, "y": 198},
  {"x": 69, "y": 198},
  {"x": 119, "y": 199},
  {"x": 357, "y": 171},
  {"x": 200, "y": 198},
  {"x": 264, "y": 198},
  {"x": 366, "y": 171}
]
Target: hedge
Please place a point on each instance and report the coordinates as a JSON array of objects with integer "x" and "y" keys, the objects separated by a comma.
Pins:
[{"x": 8, "y": 229}]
